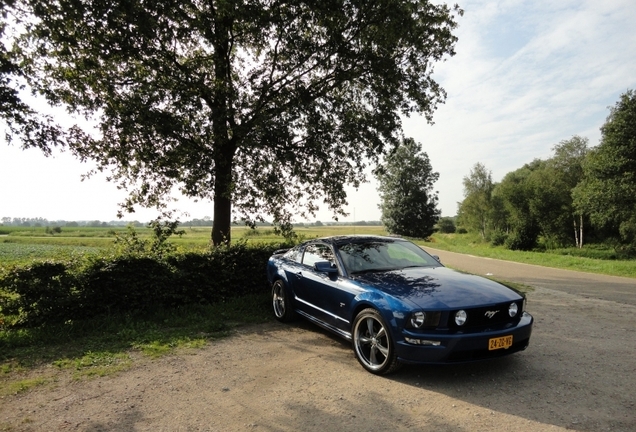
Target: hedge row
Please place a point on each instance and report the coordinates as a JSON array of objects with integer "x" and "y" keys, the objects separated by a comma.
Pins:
[{"x": 53, "y": 292}]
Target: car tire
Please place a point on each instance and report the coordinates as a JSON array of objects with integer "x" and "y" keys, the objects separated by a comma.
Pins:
[
  {"x": 372, "y": 343},
  {"x": 283, "y": 310}
]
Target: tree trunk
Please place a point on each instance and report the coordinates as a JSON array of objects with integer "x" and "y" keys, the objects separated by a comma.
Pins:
[
  {"x": 222, "y": 226},
  {"x": 576, "y": 233},
  {"x": 222, "y": 120},
  {"x": 581, "y": 231}
]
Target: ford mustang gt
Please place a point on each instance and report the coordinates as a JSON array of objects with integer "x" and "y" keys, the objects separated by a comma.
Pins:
[{"x": 396, "y": 303}]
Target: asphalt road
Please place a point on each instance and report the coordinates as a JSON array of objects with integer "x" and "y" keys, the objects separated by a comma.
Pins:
[{"x": 589, "y": 285}]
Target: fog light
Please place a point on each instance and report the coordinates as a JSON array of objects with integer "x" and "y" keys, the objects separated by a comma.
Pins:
[{"x": 422, "y": 342}]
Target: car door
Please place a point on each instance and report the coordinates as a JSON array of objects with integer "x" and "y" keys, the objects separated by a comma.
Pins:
[
  {"x": 324, "y": 293},
  {"x": 309, "y": 285}
]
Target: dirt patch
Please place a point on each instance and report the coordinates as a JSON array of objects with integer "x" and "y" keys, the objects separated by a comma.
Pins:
[{"x": 578, "y": 373}]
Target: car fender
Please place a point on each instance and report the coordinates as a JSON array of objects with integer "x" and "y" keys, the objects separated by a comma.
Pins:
[
  {"x": 390, "y": 308},
  {"x": 275, "y": 271}
]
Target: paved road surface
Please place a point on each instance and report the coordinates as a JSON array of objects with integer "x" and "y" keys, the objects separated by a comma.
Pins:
[{"x": 613, "y": 288}]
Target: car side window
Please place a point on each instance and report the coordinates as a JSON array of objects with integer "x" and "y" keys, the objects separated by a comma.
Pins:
[
  {"x": 318, "y": 252},
  {"x": 294, "y": 254}
]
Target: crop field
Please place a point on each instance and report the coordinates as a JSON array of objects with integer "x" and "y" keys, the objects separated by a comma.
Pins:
[
  {"x": 20, "y": 252},
  {"x": 22, "y": 244}
]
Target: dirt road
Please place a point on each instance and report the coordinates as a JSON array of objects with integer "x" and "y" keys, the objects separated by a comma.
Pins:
[{"x": 578, "y": 373}]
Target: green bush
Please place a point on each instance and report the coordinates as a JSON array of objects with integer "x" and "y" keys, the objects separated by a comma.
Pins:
[
  {"x": 131, "y": 280},
  {"x": 521, "y": 239},
  {"x": 40, "y": 292},
  {"x": 498, "y": 238},
  {"x": 446, "y": 225}
]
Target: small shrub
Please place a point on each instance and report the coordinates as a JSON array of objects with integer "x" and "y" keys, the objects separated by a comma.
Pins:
[
  {"x": 521, "y": 239},
  {"x": 498, "y": 238},
  {"x": 446, "y": 225}
]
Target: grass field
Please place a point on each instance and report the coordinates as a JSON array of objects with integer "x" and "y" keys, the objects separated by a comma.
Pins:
[{"x": 20, "y": 244}]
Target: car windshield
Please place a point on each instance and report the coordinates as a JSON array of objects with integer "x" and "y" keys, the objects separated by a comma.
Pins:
[{"x": 374, "y": 256}]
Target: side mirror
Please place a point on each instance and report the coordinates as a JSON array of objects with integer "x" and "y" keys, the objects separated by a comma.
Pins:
[
  {"x": 437, "y": 258},
  {"x": 325, "y": 267}
]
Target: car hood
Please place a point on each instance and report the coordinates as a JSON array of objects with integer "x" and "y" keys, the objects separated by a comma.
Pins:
[{"x": 438, "y": 287}]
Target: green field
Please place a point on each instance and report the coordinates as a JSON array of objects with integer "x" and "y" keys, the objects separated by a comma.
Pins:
[{"x": 20, "y": 245}]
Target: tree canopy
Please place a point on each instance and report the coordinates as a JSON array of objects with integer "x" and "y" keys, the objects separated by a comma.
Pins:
[
  {"x": 408, "y": 202},
  {"x": 265, "y": 107},
  {"x": 608, "y": 190},
  {"x": 475, "y": 210},
  {"x": 16, "y": 115},
  {"x": 532, "y": 201}
]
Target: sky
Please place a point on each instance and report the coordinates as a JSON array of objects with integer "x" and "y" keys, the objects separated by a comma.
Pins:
[{"x": 526, "y": 75}]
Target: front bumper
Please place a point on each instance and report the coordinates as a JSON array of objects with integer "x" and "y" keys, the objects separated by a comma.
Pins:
[{"x": 465, "y": 347}]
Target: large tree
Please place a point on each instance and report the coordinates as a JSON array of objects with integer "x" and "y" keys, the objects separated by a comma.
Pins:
[
  {"x": 408, "y": 201},
  {"x": 265, "y": 107},
  {"x": 608, "y": 190}
]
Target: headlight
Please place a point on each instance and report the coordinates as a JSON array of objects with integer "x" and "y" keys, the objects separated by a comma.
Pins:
[
  {"x": 513, "y": 309},
  {"x": 417, "y": 319},
  {"x": 422, "y": 320},
  {"x": 461, "y": 317}
]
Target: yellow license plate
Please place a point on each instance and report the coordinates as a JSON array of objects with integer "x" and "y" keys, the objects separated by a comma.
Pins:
[{"x": 500, "y": 342}]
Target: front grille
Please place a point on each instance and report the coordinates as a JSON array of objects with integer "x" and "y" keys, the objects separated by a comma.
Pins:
[{"x": 486, "y": 316}]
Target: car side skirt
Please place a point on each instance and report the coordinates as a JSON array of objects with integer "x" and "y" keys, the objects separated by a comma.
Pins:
[{"x": 325, "y": 325}]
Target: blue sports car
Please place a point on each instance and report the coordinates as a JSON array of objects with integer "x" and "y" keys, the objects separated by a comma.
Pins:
[{"x": 397, "y": 303}]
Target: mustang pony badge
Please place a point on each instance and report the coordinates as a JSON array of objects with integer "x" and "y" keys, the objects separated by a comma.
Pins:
[{"x": 491, "y": 314}]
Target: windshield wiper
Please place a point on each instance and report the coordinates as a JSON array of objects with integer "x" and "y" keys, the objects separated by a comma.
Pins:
[{"x": 376, "y": 270}]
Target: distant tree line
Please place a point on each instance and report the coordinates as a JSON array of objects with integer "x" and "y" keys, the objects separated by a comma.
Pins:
[
  {"x": 42, "y": 222},
  {"x": 579, "y": 195},
  {"x": 206, "y": 221}
]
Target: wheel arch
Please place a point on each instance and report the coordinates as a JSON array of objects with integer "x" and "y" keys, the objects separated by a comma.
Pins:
[{"x": 387, "y": 306}]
